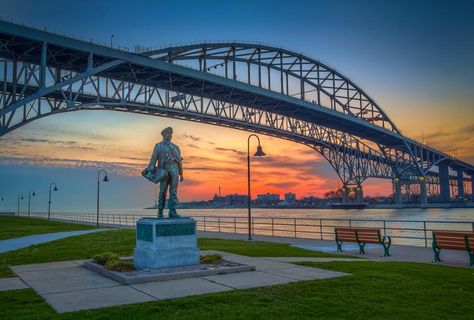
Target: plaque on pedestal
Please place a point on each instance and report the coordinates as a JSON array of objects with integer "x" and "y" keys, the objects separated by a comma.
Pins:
[{"x": 166, "y": 243}]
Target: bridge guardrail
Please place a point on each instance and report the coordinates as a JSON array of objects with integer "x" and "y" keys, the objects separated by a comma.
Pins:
[{"x": 403, "y": 232}]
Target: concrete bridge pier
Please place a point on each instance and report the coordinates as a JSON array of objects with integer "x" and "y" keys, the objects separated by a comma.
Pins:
[
  {"x": 472, "y": 187},
  {"x": 423, "y": 191},
  {"x": 345, "y": 194},
  {"x": 460, "y": 185},
  {"x": 397, "y": 191},
  {"x": 359, "y": 194},
  {"x": 444, "y": 182}
]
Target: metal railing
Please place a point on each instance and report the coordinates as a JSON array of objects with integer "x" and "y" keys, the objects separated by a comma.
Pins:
[{"x": 403, "y": 232}]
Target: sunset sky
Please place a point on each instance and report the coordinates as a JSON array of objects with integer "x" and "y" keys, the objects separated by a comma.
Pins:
[{"x": 415, "y": 58}]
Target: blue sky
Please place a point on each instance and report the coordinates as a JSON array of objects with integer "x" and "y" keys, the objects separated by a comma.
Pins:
[{"x": 415, "y": 58}]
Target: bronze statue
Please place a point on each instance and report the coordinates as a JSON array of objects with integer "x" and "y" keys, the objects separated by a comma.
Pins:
[{"x": 168, "y": 171}]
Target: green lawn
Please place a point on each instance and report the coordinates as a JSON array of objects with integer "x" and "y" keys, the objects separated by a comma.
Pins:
[
  {"x": 14, "y": 227},
  {"x": 122, "y": 242},
  {"x": 387, "y": 290}
]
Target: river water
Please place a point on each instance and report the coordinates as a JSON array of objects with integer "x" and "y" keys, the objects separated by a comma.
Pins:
[{"x": 438, "y": 214}]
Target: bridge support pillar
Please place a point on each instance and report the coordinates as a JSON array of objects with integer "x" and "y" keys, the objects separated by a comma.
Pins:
[
  {"x": 359, "y": 195},
  {"x": 397, "y": 191},
  {"x": 345, "y": 195},
  {"x": 444, "y": 182},
  {"x": 472, "y": 187},
  {"x": 460, "y": 185},
  {"x": 423, "y": 191}
]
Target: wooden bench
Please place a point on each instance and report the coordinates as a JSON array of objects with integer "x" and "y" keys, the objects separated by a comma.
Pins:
[
  {"x": 453, "y": 240},
  {"x": 362, "y": 236}
]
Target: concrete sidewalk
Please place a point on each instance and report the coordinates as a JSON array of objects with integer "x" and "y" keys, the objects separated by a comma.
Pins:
[
  {"x": 23, "y": 242},
  {"x": 374, "y": 252},
  {"x": 67, "y": 286}
]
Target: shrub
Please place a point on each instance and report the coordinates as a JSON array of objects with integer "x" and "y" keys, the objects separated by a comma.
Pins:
[
  {"x": 120, "y": 266},
  {"x": 105, "y": 257},
  {"x": 211, "y": 259}
]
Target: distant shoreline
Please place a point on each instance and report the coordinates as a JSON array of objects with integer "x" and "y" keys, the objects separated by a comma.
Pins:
[{"x": 328, "y": 206}]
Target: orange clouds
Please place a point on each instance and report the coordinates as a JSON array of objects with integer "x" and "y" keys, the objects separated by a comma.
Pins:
[{"x": 213, "y": 156}]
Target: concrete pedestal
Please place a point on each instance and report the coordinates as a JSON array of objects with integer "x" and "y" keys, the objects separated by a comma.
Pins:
[
  {"x": 166, "y": 243},
  {"x": 423, "y": 191},
  {"x": 359, "y": 195},
  {"x": 397, "y": 191}
]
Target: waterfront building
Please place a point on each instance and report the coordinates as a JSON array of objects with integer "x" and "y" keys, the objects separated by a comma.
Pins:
[
  {"x": 290, "y": 197},
  {"x": 268, "y": 198},
  {"x": 230, "y": 200}
]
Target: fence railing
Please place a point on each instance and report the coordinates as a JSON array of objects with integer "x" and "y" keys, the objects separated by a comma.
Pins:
[{"x": 403, "y": 232}]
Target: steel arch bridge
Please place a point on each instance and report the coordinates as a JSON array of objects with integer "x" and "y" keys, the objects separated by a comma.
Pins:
[{"x": 251, "y": 87}]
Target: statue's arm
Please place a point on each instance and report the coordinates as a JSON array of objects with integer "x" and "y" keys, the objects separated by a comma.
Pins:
[{"x": 154, "y": 158}]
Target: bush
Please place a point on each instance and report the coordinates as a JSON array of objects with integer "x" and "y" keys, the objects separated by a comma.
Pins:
[
  {"x": 120, "y": 266},
  {"x": 211, "y": 259},
  {"x": 105, "y": 257}
]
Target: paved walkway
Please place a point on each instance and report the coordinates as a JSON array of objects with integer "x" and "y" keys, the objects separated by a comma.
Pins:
[
  {"x": 67, "y": 286},
  {"x": 455, "y": 258},
  {"x": 23, "y": 242}
]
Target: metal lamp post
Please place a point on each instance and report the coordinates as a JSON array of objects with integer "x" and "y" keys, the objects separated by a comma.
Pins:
[
  {"x": 20, "y": 197},
  {"x": 49, "y": 201},
  {"x": 98, "y": 190},
  {"x": 31, "y": 192},
  {"x": 259, "y": 153}
]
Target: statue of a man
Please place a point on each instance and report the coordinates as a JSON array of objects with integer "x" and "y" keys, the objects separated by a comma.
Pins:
[{"x": 168, "y": 156}]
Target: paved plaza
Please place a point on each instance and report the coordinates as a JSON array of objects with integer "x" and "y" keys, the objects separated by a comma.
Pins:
[{"x": 68, "y": 286}]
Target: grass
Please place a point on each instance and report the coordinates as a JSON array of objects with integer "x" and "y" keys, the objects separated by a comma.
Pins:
[
  {"x": 262, "y": 249},
  {"x": 122, "y": 242},
  {"x": 14, "y": 227},
  {"x": 389, "y": 290}
]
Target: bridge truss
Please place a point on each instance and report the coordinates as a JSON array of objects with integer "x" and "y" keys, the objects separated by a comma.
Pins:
[{"x": 250, "y": 87}]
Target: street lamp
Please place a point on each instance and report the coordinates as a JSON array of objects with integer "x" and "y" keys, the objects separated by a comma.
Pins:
[
  {"x": 49, "y": 201},
  {"x": 98, "y": 189},
  {"x": 20, "y": 197},
  {"x": 111, "y": 38},
  {"x": 259, "y": 153},
  {"x": 31, "y": 192}
]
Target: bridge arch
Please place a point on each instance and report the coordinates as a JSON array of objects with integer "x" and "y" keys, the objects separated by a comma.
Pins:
[{"x": 317, "y": 82}]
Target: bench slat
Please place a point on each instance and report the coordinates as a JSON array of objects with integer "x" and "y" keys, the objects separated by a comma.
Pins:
[
  {"x": 453, "y": 247},
  {"x": 453, "y": 242},
  {"x": 352, "y": 239},
  {"x": 363, "y": 239},
  {"x": 452, "y": 233}
]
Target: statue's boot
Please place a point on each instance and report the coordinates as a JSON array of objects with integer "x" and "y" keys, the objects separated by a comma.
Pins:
[
  {"x": 173, "y": 214},
  {"x": 160, "y": 213}
]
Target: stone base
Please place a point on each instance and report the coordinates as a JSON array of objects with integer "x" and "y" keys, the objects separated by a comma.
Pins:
[
  {"x": 172, "y": 273},
  {"x": 166, "y": 243},
  {"x": 153, "y": 259}
]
